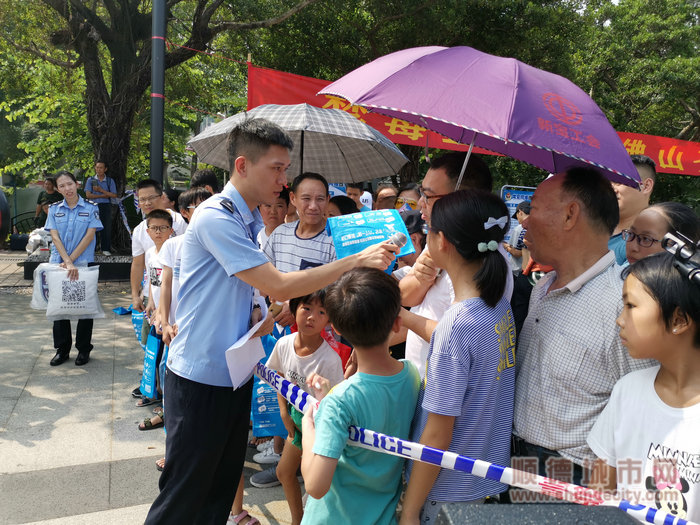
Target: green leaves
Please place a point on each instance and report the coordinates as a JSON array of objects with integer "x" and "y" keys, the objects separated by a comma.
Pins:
[{"x": 638, "y": 58}]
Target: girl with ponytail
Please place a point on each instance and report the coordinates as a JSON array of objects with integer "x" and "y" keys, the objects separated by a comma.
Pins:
[{"x": 467, "y": 402}]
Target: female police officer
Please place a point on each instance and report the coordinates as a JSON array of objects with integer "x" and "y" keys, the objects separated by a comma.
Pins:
[{"x": 72, "y": 223}]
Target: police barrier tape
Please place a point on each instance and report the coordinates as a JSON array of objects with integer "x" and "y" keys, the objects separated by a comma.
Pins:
[{"x": 371, "y": 440}]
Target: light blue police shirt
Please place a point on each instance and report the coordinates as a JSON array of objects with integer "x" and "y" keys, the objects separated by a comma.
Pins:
[
  {"x": 72, "y": 224},
  {"x": 108, "y": 184},
  {"x": 214, "y": 306}
]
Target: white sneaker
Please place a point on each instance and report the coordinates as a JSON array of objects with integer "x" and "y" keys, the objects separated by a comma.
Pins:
[
  {"x": 267, "y": 456},
  {"x": 265, "y": 445},
  {"x": 105, "y": 252}
]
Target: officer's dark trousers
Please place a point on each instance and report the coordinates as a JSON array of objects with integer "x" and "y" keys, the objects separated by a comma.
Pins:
[
  {"x": 63, "y": 340},
  {"x": 205, "y": 446},
  {"x": 105, "y": 210}
]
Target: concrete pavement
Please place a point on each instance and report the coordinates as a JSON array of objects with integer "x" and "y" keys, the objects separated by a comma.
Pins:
[{"x": 70, "y": 449}]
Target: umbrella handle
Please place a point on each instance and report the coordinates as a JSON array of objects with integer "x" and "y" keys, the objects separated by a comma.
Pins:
[{"x": 464, "y": 166}]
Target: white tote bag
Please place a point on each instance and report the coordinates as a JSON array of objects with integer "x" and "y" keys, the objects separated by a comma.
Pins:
[
  {"x": 73, "y": 299},
  {"x": 40, "y": 293}
]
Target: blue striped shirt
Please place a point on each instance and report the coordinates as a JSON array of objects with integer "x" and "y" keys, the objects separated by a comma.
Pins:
[
  {"x": 288, "y": 252},
  {"x": 471, "y": 376}
]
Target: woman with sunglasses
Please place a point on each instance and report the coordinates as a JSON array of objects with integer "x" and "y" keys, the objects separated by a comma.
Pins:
[
  {"x": 644, "y": 236},
  {"x": 408, "y": 198}
]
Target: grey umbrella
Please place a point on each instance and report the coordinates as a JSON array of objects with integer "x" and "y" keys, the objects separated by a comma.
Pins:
[{"x": 327, "y": 141}]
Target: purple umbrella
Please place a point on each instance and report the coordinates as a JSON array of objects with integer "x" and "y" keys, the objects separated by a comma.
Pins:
[{"x": 499, "y": 104}]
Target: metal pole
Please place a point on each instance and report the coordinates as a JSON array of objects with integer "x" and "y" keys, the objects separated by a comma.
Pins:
[{"x": 157, "y": 88}]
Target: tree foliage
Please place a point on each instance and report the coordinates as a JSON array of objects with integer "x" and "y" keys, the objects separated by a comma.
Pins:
[
  {"x": 641, "y": 64},
  {"x": 77, "y": 72},
  {"x": 109, "y": 43}
]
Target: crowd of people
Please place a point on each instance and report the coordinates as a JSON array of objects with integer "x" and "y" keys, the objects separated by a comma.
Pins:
[{"x": 569, "y": 347}]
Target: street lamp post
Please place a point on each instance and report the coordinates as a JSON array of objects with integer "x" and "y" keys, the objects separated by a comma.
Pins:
[{"x": 157, "y": 88}]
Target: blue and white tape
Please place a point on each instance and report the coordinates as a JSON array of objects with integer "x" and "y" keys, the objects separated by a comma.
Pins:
[
  {"x": 371, "y": 440},
  {"x": 122, "y": 211}
]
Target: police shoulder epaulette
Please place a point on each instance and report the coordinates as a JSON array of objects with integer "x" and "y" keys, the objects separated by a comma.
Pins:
[
  {"x": 90, "y": 202},
  {"x": 227, "y": 204},
  {"x": 54, "y": 203}
]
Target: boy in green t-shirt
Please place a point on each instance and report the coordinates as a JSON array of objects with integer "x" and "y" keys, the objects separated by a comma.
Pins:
[{"x": 348, "y": 484}]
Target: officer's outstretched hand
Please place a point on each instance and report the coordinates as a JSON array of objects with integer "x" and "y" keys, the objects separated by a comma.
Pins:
[{"x": 378, "y": 256}]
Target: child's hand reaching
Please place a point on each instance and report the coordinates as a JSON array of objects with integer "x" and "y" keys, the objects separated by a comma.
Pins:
[
  {"x": 319, "y": 385},
  {"x": 156, "y": 322},
  {"x": 285, "y": 317}
]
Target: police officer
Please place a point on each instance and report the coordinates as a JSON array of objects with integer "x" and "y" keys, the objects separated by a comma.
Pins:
[
  {"x": 221, "y": 265},
  {"x": 72, "y": 223}
]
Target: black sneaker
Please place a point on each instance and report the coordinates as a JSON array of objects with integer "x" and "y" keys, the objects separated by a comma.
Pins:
[{"x": 136, "y": 393}]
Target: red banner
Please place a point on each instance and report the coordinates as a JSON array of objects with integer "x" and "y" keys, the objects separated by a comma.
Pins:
[{"x": 269, "y": 86}]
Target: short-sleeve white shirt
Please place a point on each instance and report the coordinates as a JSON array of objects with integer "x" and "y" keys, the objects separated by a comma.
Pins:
[
  {"x": 295, "y": 368},
  {"x": 170, "y": 255},
  {"x": 141, "y": 242},
  {"x": 154, "y": 271},
  {"x": 642, "y": 437}
]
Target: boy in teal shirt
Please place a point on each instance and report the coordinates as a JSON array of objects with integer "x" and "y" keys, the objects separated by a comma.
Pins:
[{"x": 348, "y": 484}]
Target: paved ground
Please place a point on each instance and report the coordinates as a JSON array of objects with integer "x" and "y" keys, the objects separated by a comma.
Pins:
[{"x": 70, "y": 449}]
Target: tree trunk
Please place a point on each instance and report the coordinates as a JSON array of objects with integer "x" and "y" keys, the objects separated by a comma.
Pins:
[
  {"x": 126, "y": 33},
  {"x": 110, "y": 121}
]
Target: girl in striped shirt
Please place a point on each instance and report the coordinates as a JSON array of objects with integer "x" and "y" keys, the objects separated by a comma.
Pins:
[{"x": 466, "y": 405}]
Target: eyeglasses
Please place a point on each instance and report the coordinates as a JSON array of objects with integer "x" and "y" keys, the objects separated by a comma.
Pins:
[
  {"x": 643, "y": 240},
  {"x": 150, "y": 198},
  {"x": 159, "y": 228},
  {"x": 400, "y": 201},
  {"x": 428, "y": 197}
]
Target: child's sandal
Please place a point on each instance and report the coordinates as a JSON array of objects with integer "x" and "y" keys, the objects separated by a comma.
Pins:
[{"x": 240, "y": 517}]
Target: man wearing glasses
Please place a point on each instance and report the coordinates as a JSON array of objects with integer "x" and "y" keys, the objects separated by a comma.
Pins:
[
  {"x": 425, "y": 289},
  {"x": 150, "y": 197},
  {"x": 631, "y": 202}
]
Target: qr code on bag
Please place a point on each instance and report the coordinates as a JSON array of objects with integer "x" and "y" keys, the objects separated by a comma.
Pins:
[{"x": 73, "y": 291}]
